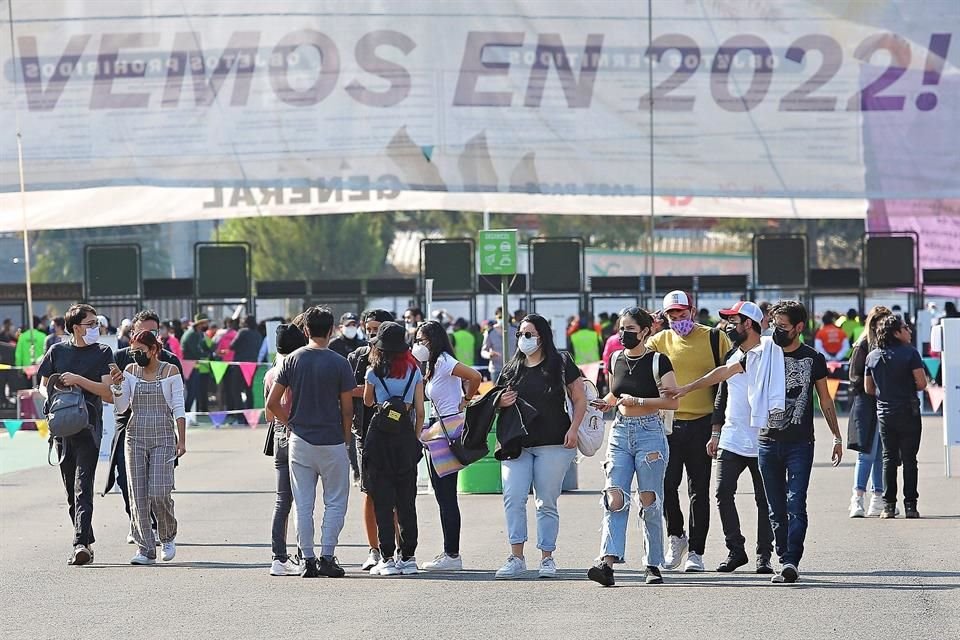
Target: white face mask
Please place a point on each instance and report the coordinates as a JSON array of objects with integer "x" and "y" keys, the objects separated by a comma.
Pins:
[
  {"x": 421, "y": 352},
  {"x": 349, "y": 333},
  {"x": 528, "y": 345},
  {"x": 91, "y": 335}
]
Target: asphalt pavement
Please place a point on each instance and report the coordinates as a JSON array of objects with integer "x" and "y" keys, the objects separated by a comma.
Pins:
[{"x": 865, "y": 578}]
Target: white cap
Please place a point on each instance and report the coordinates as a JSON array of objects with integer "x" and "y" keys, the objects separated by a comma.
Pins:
[
  {"x": 676, "y": 300},
  {"x": 103, "y": 321},
  {"x": 125, "y": 323},
  {"x": 746, "y": 309}
]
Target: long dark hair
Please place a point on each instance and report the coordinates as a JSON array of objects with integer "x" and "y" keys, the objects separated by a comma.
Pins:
[
  {"x": 886, "y": 332},
  {"x": 554, "y": 361},
  {"x": 439, "y": 344}
]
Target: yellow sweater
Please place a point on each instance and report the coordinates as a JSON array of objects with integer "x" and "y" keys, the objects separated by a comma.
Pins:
[{"x": 691, "y": 358}]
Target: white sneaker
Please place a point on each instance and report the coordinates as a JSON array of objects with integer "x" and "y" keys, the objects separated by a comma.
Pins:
[
  {"x": 513, "y": 568},
  {"x": 548, "y": 568},
  {"x": 876, "y": 506},
  {"x": 168, "y": 551},
  {"x": 142, "y": 559},
  {"x": 386, "y": 567},
  {"x": 856, "y": 505},
  {"x": 130, "y": 539},
  {"x": 287, "y": 568},
  {"x": 694, "y": 563},
  {"x": 443, "y": 562},
  {"x": 676, "y": 548},
  {"x": 373, "y": 558},
  {"x": 407, "y": 567}
]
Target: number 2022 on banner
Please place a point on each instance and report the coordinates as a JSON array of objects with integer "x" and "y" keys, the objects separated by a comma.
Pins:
[{"x": 871, "y": 98}]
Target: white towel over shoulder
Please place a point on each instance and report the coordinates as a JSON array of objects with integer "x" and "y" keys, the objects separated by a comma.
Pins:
[{"x": 767, "y": 388}]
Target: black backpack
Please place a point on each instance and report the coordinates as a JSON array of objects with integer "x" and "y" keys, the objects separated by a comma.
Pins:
[{"x": 392, "y": 415}]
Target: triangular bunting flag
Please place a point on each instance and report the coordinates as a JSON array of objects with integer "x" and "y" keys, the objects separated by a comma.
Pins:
[
  {"x": 427, "y": 151},
  {"x": 591, "y": 371},
  {"x": 252, "y": 416},
  {"x": 933, "y": 366},
  {"x": 188, "y": 366},
  {"x": 12, "y": 426},
  {"x": 5, "y": 366},
  {"x": 218, "y": 418},
  {"x": 248, "y": 369},
  {"x": 219, "y": 368},
  {"x": 936, "y": 396},
  {"x": 43, "y": 428},
  {"x": 833, "y": 384},
  {"x": 832, "y": 366},
  {"x": 31, "y": 370}
]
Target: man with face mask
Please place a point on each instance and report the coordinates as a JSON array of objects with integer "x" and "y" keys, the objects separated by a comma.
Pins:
[
  {"x": 348, "y": 339},
  {"x": 694, "y": 350},
  {"x": 734, "y": 442},
  {"x": 84, "y": 363}
]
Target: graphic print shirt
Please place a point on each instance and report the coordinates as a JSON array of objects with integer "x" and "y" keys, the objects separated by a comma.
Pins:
[{"x": 795, "y": 423}]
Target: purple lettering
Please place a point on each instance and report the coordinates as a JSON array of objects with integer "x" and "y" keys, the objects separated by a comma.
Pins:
[
  {"x": 108, "y": 68},
  {"x": 326, "y": 77},
  {"x": 473, "y": 68},
  {"x": 395, "y": 74},
  {"x": 187, "y": 54},
  {"x": 578, "y": 92},
  {"x": 38, "y": 98}
]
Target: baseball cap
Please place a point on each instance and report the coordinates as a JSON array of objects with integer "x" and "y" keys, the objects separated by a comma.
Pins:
[
  {"x": 746, "y": 309},
  {"x": 676, "y": 300},
  {"x": 349, "y": 317},
  {"x": 102, "y": 320}
]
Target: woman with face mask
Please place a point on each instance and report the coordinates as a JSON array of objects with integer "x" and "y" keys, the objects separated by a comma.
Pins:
[
  {"x": 154, "y": 390},
  {"x": 637, "y": 447},
  {"x": 541, "y": 376},
  {"x": 444, "y": 388}
]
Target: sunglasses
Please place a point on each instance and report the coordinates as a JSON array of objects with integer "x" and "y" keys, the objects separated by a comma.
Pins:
[{"x": 527, "y": 335}]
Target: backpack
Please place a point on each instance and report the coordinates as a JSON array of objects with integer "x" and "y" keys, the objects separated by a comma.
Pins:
[
  {"x": 392, "y": 415},
  {"x": 666, "y": 415},
  {"x": 67, "y": 413}
]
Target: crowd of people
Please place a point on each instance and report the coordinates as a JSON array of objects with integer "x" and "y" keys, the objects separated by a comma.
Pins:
[{"x": 353, "y": 393}]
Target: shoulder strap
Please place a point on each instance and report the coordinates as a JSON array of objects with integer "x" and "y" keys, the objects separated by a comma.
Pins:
[
  {"x": 715, "y": 346},
  {"x": 656, "y": 367},
  {"x": 413, "y": 373},
  {"x": 383, "y": 383}
]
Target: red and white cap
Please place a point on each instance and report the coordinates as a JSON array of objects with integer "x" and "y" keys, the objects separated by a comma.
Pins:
[
  {"x": 676, "y": 300},
  {"x": 746, "y": 309}
]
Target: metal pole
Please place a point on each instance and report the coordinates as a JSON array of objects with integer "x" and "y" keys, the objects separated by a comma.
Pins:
[
  {"x": 651, "y": 224},
  {"x": 23, "y": 184},
  {"x": 504, "y": 318}
]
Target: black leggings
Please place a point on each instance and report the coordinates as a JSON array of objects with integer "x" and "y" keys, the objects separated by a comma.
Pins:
[
  {"x": 445, "y": 491},
  {"x": 281, "y": 510}
]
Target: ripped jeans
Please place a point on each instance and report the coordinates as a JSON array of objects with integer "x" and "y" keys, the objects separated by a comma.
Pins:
[{"x": 638, "y": 446}]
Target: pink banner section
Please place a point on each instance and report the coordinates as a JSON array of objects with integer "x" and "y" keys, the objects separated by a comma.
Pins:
[
  {"x": 936, "y": 396},
  {"x": 591, "y": 371},
  {"x": 188, "y": 366},
  {"x": 31, "y": 370},
  {"x": 248, "y": 369},
  {"x": 253, "y": 417},
  {"x": 218, "y": 418}
]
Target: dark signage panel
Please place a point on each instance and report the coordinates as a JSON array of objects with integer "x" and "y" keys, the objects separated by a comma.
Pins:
[
  {"x": 890, "y": 262},
  {"x": 781, "y": 262},
  {"x": 222, "y": 271},
  {"x": 450, "y": 264},
  {"x": 112, "y": 271},
  {"x": 557, "y": 266}
]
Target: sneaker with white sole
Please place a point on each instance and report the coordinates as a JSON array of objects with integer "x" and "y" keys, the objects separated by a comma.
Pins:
[
  {"x": 141, "y": 559},
  {"x": 676, "y": 548},
  {"x": 876, "y": 506},
  {"x": 856, "y": 505},
  {"x": 284, "y": 568},
  {"x": 694, "y": 563},
  {"x": 513, "y": 568},
  {"x": 548, "y": 568},
  {"x": 407, "y": 567},
  {"x": 373, "y": 558},
  {"x": 788, "y": 574},
  {"x": 444, "y": 562},
  {"x": 386, "y": 567},
  {"x": 168, "y": 551}
]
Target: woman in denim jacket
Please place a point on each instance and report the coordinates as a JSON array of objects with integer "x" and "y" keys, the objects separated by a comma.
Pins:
[{"x": 637, "y": 447}]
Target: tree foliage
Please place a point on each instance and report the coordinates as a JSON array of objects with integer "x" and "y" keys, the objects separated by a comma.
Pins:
[
  {"x": 313, "y": 247},
  {"x": 58, "y": 254},
  {"x": 833, "y": 244}
]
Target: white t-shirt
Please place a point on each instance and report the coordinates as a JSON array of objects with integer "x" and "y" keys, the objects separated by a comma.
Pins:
[
  {"x": 444, "y": 390},
  {"x": 737, "y": 435}
]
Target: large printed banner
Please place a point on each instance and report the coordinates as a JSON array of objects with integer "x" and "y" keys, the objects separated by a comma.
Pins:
[{"x": 258, "y": 108}]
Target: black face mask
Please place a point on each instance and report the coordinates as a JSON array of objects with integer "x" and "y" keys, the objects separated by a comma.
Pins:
[
  {"x": 781, "y": 338},
  {"x": 141, "y": 358},
  {"x": 735, "y": 336},
  {"x": 629, "y": 339}
]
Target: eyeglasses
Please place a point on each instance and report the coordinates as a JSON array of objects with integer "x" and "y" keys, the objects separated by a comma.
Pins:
[
  {"x": 527, "y": 335},
  {"x": 89, "y": 325}
]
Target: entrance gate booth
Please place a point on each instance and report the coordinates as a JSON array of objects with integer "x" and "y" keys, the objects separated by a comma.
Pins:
[{"x": 556, "y": 267}]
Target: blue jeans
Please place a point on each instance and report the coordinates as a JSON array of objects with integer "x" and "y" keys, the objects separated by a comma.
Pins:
[
  {"x": 544, "y": 468},
  {"x": 638, "y": 447},
  {"x": 870, "y": 464},
  {"x": 785, "y": 468}
]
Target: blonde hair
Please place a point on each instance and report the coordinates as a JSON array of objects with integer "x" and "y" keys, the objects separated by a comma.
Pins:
[{"x": 876, "y": 314}]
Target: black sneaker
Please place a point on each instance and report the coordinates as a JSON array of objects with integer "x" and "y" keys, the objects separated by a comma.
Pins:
[
  {"x": 733, "y": 562},
  {"x": 889, "y": 511},
  {"x": 601, "y": 573},
  {"x": 310, "y": 568},
  {"x": 330, "y": 567},
  {"x": 789, "y": 573},
  {"x": 652, "y": 575},
  {"x": 910, "y": 510},
  {"x": 764, "y": 566}
]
